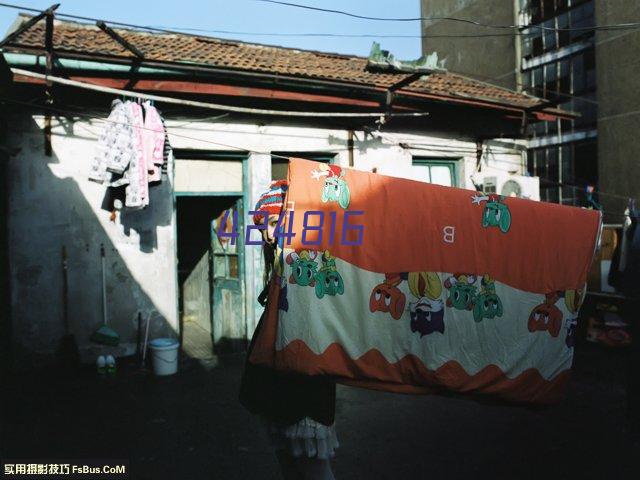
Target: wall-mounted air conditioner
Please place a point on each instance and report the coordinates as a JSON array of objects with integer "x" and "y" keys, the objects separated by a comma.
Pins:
[{"x": 508, "y": 184}]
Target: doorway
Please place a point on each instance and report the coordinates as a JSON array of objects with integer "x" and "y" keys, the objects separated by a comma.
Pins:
[{"x": 210, "y": 275}]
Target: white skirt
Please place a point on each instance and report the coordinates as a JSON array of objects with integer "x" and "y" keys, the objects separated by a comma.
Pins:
[{"x": 307, "y": 438}]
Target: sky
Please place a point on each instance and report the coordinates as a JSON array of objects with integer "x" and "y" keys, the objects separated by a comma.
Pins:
[{"x": 257, "y": 17}]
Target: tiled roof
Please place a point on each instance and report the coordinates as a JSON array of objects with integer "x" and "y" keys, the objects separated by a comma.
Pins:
[{"x": 71, "y": 37}]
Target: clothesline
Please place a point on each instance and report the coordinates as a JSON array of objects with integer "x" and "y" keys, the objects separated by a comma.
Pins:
[
  {"x": 212, "y": 106},
  {"x": 102, "y": 119},
  {"x": 243, "y": 149}
]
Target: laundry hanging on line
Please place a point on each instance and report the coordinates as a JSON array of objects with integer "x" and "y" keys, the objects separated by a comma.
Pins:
[
  {"x": 132, "y": 152},
  {"x": 625, "y": 263},
  {"x": 448, "y": 289}
]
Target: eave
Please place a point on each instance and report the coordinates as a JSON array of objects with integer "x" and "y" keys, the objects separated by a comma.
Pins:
[{"x": 216, "y": 81}]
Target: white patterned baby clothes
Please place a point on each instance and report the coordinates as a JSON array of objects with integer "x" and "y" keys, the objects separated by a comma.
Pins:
[
  {"x": 132, "y": 151},
  {"x": 113, "y": 152},
  {"x": 120, "y": 138},
  {"x": 306, "y": 438}
]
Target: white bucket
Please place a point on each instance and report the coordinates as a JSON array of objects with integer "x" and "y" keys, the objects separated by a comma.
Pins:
[{"x": 165, "y": 355}]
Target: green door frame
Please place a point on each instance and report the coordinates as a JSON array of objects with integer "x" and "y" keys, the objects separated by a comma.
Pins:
[{"x": 244, "y": 195}]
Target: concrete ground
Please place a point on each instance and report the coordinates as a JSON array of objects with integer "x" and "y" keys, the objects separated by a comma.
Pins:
[{"x": 190, "y": 426}]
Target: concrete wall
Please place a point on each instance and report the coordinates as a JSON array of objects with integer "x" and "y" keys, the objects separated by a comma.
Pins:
[
  {"x": 53, "y": 204},
  {"x": 618, "y": 104},
  {"x": 483, "y": 58},
  {"x": 5, "y": 323}
]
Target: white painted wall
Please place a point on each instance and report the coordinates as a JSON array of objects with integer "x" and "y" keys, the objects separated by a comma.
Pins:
[
  {"x": 51, "y": 204},
  {"x": 381, "y": 150}
]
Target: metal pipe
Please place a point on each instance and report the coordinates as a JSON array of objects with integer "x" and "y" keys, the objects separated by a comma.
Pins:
[
  {"x": 297, "y": 82},
  {"x": 350, "y": 147},
  {"x": 214, "y": 106}
]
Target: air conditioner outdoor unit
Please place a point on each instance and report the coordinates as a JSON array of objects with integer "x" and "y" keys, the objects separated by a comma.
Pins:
[{"x": 508, "y": 184}]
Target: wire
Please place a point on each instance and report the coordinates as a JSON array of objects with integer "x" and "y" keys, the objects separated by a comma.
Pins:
[
  {"x": 349, "y": 35},
  {"x": 106, "y": 120},
  {"x": 184, "y": 30},
  {"x": 214, "y": 106},
  {"x": 546, "y": 179},
  {"x": 243, "y": 149},
  {"x": 616, "y": 26},
  {"x": 82, "y": 115}
]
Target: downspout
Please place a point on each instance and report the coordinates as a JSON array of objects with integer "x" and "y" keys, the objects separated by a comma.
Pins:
[
  {"x": 479, "y": 155},
  {"x": 350, "y": 147},
  {"x": 517, "y": 42}
]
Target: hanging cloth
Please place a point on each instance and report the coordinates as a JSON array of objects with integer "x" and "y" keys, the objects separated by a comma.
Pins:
[
  {"x": 137, "y": 192},
  {"x": 439, "y": 289},
  {"x": 154, "y": 138},
  {"x": 114, "y": 150}
]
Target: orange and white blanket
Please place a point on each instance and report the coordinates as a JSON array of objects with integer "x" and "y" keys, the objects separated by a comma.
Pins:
[{"x": 449, "y": 289}]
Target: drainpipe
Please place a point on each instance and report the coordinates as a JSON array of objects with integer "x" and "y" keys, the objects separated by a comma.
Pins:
[
  {"x": 350, "y": 147},
  {"x": 518, "y": 46},
  {"x": 479, "y": 155}
]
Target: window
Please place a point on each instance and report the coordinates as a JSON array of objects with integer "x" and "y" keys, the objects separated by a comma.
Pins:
[
  {"x": 563, "y": 32},
  {"x": 577, "y": 64},
  {"x": 439, "y": 171},
  {"x": 579, "y": 166},
  {"x": 549, "y": 36},
  {"x": 280, "y": 166},
  {"x": 225, "y": 253},
  {"x": 551, "y": 80},
  {"x": 565, "y": 77}
]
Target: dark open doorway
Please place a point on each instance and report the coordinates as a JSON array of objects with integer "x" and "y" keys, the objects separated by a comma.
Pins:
[{"x": 202, "y": 274}]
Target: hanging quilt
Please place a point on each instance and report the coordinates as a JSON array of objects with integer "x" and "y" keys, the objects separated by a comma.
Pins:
[{"x": 406, "y": 286}]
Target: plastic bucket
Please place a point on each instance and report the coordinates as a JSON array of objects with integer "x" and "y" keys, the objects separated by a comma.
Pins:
[{"x": 164, "y": 353}]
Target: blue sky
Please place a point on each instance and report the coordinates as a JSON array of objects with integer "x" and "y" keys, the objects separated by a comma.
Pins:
[{"x": 255, "y": 16}]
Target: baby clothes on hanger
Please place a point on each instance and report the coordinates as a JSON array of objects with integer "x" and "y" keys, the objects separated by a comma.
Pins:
[
  {"x": 154, "y": 136},
  {"x": 137, "y": 191},
  {"x": 167, "y": 150},
  {"x": 133, "y": 151},
  {"x": 114, "y": 145}
]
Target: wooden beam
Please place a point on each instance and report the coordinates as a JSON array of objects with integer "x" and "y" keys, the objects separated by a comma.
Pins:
[
  {"x": 408, "y": 80},
  {"x": 113, "y": 34},
  {"x": 26, "y": 26}
]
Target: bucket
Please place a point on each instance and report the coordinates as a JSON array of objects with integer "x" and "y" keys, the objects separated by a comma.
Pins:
[{"x": 164, "y": 352}]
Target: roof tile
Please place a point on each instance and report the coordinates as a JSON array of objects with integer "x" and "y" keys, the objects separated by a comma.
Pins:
[{"x": 74, "y": 37}]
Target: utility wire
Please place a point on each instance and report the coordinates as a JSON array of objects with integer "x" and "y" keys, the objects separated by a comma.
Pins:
[
  {"x": 349, "y": 35},
  {"x": 183, "y": 31},
  {"x": 106, "y": 120},
  {"x": 616, "y": 26},
  {"x": 545, "y": 179},
  {"x": 214, "y": 106},
  {"x": 234, "y": 147}
]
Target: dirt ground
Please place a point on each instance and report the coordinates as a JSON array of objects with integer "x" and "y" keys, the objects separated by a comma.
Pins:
[{"x": 191, "y": 426}]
